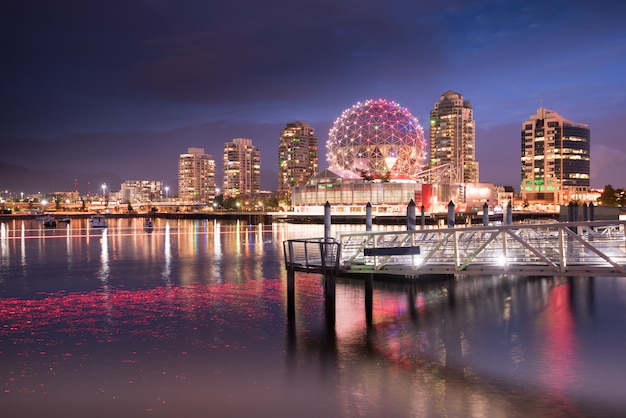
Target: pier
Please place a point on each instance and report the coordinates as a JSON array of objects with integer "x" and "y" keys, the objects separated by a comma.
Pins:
[{"x": 586, "y": 248}]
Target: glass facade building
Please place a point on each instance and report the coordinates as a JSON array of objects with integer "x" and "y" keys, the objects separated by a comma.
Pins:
[
  {"x": 141, "y": 191},
  {"x": 453, "y": 137},
  {"x": 241, "y": 168},
  {"x": 555, "y": 159},
  {"x": 196, "y": 177},
  {"x": 297, "y": 156}
]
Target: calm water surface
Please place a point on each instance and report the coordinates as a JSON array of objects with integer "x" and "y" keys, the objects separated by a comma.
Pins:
[{"x": 190, "y": 319}]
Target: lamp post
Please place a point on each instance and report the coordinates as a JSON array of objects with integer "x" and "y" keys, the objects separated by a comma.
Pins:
[
  {"x": 104, "y": 186},
  {"x": 167, "y": 189}
]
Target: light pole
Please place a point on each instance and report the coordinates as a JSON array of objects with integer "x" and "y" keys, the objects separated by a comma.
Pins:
[
  {"x": 167, "y": 189},
  {"x": 104, "y": 186}
]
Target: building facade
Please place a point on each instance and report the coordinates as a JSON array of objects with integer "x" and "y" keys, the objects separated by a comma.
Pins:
[
  {"x": 453, "y": 137},
  {"x": 241, "y": 168},
  {"x": 196, "y": 177},
  {"x": 297, "y": 156},
  {"x": 141, "y": 191},
  {"x": 555, "y": 159}
]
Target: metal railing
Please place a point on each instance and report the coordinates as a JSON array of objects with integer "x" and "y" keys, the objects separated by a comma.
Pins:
[
  {"x": 316, "y": 255},
  {"x": 572, "y": 248}
]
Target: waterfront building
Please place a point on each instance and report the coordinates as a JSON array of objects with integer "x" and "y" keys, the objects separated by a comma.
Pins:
[
  {"x": 141, "y": 191},
  {"x": 348, "y": 193},
  {"x": 453, "y": 137},
  {"x": 555, "y": 159},
  {"x": 297, "y": 156},
  {"x": 241, "y": 168},
  {"x": 376, "y": 152},
  {"x": 196, "y": 177},
  {"x": 378, "y": 139}
]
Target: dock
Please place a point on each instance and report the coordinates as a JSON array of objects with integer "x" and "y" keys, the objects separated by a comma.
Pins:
[{"x": 588, "y": 248}]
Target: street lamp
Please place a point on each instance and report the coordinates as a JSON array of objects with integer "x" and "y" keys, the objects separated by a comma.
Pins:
[
  {"x": 104, "y": 186},
  {"x": 167, "y": 189}
]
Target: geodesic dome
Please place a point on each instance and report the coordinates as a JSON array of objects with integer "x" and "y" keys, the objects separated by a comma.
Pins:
[{"x": 378, "y": 138}]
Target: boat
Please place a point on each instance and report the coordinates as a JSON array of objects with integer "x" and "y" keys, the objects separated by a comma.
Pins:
[
  {"x": 148, "y": 223},
  {"x": 98, "y": 221},
  {"x": 49, "y": 221}
]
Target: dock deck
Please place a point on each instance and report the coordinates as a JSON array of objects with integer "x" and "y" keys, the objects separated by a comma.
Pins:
[{"x": 566, "y": 248}]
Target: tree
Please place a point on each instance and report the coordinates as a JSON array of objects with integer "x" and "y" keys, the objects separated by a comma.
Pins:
[{"x": 609, "y": 196}]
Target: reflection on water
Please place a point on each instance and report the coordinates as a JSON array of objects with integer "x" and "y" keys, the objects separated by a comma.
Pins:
[{"x": 190, "y": 319}]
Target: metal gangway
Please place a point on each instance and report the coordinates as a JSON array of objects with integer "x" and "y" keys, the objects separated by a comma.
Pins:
[{"x": 568, "y": 248}]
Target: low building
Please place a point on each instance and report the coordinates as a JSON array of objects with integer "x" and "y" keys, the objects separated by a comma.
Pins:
[{"x": 348, "y": 192}]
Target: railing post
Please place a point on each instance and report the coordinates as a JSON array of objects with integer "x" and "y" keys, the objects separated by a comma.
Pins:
[
  {"x": 327, "y": 220},
  {"x": 410, "y": 216},
  {"x": 368, "y": 217},
  {"x": 509, "y": 214},
  {"x": 485, "y": 214},
  {"x": 451, "y": 214}
]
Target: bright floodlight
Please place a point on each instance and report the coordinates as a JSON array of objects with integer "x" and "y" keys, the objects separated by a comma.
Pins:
[{"x": 377, "y": 138}]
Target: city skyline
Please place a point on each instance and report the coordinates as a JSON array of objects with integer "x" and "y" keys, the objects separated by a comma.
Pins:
[{"x": 126, "y": 87}]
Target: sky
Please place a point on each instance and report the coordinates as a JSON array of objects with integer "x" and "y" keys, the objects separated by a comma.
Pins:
[{"x": 126, "y": 86}]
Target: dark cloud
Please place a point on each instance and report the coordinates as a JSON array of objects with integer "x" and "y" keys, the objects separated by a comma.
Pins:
[{"x": 135, "y": 74}]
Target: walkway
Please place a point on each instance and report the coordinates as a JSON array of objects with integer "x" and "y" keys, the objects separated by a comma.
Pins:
[{"x": 573, "y": 248}]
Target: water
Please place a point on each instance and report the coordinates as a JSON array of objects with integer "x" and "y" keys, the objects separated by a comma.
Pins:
[{"x": 190, "y": 320}]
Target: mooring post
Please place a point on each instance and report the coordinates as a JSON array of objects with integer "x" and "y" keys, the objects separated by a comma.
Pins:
[
  {"x": 369, "y": 299},
  {"x": 485, "y": 214},
  {"x": 368, "y": 216},
  {"x": 509, "y": 213},
  {"x": 410, "y": 216},
  {"x": 329, "y": 297},
  {"x": 326, "y": 220},
  {"x": 422, "y": 217},
  {"x": 291, "y": 295},
  {"x": 451, "y": 214},
  {"x": 291, "y": 284}
]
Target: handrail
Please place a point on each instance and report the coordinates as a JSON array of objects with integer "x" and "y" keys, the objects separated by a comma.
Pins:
[{"x": 568, "y": 248}]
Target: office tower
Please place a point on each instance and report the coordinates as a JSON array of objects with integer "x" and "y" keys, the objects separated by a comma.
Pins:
[
  {"x": 297, "y": 156},
  {"x": 453, "y": 137},
  {"x": 555, "y": 162},
  {"x": 196, "y": 177},
  {"x": 242, "y": 168}
]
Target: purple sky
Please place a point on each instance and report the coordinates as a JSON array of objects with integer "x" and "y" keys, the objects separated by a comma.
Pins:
[{"x": 126, "y": 86}]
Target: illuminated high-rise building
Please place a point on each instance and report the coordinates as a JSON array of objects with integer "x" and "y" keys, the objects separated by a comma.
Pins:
[
  {"x": 242, "y": 168},
  {"x": 196, "y": 177},
  {"x": 453, "y": 137},
  {"x": 140, "y": 191},
  {"x": 555, "y": 159},
  {"x": 297, "y": 156}
]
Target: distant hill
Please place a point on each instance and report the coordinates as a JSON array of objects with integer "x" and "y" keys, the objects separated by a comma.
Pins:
[{"x": 19, "y": 178}]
